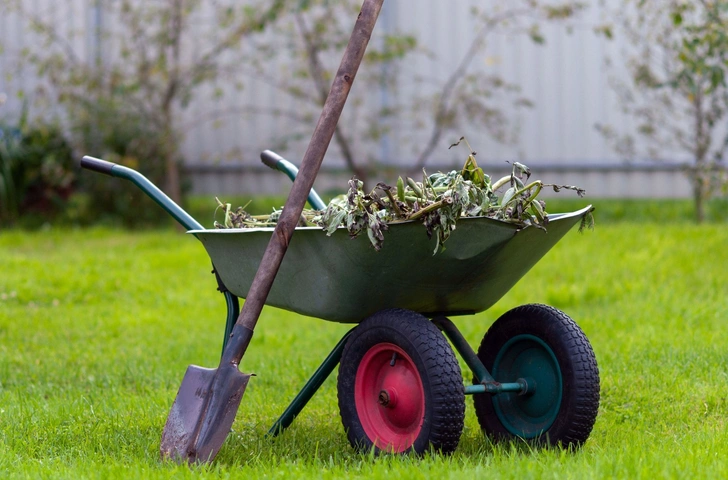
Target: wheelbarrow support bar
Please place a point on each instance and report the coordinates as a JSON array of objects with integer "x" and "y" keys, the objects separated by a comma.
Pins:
[{"x": 486, "y": 382}]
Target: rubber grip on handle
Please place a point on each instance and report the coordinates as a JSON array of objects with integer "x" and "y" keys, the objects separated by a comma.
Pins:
[
  {"x": 97, "y": 165},
  {"x": 270, "y": 159}
]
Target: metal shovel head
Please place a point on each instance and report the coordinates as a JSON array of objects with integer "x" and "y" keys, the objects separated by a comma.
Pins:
[{"x": 202, "y": 413}]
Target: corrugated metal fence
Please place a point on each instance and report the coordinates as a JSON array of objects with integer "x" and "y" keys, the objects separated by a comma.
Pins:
[{"x": 565, "y": 80}]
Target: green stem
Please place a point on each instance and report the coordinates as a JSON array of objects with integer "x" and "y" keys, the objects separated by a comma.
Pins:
[
  {"x": 228, "y": 222},
  {"x": 501, "y": 182},
  {"x": 411, "y": 199},
  {"x": 537, "y": 184},
  {"x": 415, "y": 188},
  {"x": 427, "y": 209},
  {"x": 427, "y": 184},
  {"x": 394, "y": 203}
]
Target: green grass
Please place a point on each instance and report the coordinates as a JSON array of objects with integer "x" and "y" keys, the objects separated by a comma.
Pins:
[{"x": 97, "y": 327}]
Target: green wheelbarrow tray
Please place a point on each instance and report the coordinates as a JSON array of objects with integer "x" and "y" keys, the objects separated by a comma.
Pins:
[{"x": 345, "y": 280}]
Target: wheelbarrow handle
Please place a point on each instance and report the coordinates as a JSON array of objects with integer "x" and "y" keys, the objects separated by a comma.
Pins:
[
  {"x": 276, "y": 162},
  {"x": 152, "y": 191}
]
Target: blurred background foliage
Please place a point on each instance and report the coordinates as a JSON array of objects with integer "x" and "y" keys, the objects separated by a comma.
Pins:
[
  {"x": 125, "y": 106},
  {"x": 37, "y": 172}
]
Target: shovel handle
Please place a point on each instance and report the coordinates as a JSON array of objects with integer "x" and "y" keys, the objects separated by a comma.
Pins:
[{"x": 278, "y": 244}]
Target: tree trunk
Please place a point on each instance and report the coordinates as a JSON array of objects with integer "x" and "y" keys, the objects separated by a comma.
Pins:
[
  {"x": 702, "y": 143},
  {"x": 699, "y": 195},
  {"x": 317, "y": 72},
  {"x": 173, "y": 186},
  {"x": 171, "y": 167},
  {"x": 172, "y": 182}
]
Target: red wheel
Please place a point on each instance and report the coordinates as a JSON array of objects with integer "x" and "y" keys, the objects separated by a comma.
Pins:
[
  {"x": 389, "y": 397},
  {"x": 400, "y": 386}
]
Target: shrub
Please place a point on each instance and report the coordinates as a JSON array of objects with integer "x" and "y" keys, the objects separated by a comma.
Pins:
[
  {"x": 110, "y": 130},
  {"x": 37, "y": 173}
]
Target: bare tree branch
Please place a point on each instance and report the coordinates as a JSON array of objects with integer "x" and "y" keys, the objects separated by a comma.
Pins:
[
  {"x": 444, "y": 102},
  {"x": 317, "y": 74}
]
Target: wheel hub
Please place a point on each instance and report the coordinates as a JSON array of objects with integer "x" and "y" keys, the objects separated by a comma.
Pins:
[
  {"x": 532, "y": 411},
  {"x": 390, "y": 399}
]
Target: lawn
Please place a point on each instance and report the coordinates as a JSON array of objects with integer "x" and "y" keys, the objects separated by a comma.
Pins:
[{"x": 97, "y": 327}]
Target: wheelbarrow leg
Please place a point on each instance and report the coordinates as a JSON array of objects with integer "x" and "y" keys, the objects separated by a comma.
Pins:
[
  {"x": 310, "y": 389},
  {"x": 486, "y": 382},
  {"x": 233, "y": 310}
]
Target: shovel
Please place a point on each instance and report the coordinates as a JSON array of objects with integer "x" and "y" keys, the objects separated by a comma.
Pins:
[{"x": 208, "y": 399}]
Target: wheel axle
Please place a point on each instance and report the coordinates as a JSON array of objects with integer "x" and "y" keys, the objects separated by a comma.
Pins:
[{"x": 520, "y": 386}]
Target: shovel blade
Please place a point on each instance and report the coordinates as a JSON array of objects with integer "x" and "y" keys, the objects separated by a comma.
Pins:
[{"x": 202, "y": 413}]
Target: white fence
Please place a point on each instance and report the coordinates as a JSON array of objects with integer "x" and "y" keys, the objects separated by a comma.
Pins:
[{"x": 565, "y": 79}]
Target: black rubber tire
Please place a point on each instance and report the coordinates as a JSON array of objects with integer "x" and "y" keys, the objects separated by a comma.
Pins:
[
  {"x": 439, "y": 372},
  {"x": 578, "y": 367}
]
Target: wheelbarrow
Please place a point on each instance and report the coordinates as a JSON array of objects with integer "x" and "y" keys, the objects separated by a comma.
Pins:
[{"x": 400, "y": 385}]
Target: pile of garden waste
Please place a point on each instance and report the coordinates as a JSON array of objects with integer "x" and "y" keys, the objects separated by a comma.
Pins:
[{"x": 438, "y": 201}]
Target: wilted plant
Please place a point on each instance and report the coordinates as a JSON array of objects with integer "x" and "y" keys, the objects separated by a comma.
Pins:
[{"x": 438, "y": 201}]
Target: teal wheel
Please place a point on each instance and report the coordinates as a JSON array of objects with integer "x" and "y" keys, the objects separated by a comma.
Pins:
[{"x": 545, "y": 348}]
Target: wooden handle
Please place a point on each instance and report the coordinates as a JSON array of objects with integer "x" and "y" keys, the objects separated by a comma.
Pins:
[{"x": 273, "y": 256}]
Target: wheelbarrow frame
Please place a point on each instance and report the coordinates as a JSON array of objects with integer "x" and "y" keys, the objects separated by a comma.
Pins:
[{"x": 483, "y": 382}]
